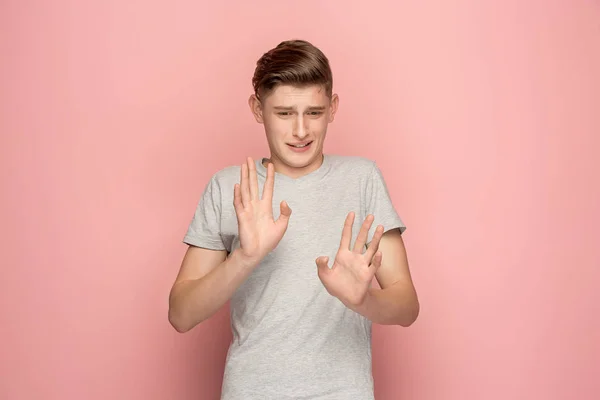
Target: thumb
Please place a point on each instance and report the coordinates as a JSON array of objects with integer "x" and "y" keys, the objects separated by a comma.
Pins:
[
  {"x": 322, "y": 266},
  {"x": 285, "y": 212}
]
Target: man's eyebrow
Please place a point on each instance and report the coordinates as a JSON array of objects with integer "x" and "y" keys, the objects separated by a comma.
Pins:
[{"x": 314, "y": 108}]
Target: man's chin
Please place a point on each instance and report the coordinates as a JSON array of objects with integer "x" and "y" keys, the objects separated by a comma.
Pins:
[{"x": 301, "y": 160}]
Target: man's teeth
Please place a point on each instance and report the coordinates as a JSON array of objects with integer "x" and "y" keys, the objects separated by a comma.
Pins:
[{"x": 300, "y": 145}]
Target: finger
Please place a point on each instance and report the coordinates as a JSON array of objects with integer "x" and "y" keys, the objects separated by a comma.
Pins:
[
  {"x": 237, "y": 198},
  {"x": 284, "y": 215},
  {"x": 269, "y": 184},
  {"x": 361, "y": 240},
  {"x": 244, "y": 186},
  {"x": 376, "y": 261},
  {"x": 253, "y": 179},
  {"x": 347, "y": 232},
  {"x": 322, "y": 267},
  {"x": 374, "y": 245}
]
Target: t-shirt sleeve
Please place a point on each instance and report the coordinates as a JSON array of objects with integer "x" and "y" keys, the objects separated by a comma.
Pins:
[
  {"x": 205, "y": 228},
  {"x": 380, "y": 204}
]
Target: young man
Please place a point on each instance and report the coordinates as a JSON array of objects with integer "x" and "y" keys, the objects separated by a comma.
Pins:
[{"x": 299, "y": 281}]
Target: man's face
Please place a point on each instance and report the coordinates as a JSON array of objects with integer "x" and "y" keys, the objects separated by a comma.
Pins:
[{"x": 295, "y": 120}]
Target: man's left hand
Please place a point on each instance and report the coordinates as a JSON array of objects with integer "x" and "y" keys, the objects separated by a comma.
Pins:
[{"x": 353, "y": 270}]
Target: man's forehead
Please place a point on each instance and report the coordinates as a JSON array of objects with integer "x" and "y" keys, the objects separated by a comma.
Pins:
[{"x": 295, "y": 96}]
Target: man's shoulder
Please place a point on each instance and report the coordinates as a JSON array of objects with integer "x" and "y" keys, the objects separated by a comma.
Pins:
[
  {"x": 351, "y": 164},
  {"x": 226, "y": 175}
]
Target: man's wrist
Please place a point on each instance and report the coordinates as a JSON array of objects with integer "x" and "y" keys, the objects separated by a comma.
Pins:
[
  {"x": 243, "y": 261},
  {"x": 364, "y": 306}
]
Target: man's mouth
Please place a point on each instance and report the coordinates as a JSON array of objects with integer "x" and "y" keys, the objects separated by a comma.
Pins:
[{"x": 299, "y": 146}]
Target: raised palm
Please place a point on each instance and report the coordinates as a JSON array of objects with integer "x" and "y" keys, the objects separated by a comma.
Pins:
[
  {"x": 259, "y": 233},
  {"x": 350, "y": 276}
]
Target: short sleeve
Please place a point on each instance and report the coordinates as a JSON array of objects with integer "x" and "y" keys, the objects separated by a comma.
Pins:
[
  {"x": 204, "y": 229},
  {"x": 379, "y": 204}
]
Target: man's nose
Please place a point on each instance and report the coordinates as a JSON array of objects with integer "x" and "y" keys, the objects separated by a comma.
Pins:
[{"x": 300, "y": 130}]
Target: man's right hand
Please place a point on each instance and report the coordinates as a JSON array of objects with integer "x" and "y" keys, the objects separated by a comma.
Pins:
[
  {"x": 259, "y": 233},
  {"x": 208, "y": 278}
]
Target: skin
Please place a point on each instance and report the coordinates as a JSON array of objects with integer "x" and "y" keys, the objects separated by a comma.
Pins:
[
  {"x": 295, "y": 115},
  {"x": 207, "y": 278}
]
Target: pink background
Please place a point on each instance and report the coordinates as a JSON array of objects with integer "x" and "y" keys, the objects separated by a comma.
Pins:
[{"x": 484, "y": 117}]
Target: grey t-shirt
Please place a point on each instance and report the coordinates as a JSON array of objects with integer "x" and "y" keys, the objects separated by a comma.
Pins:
[{"x": 291, "y": 338}]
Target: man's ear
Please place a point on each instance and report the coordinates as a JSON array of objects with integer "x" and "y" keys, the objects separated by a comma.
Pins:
[
  {"x": 256, "y": 108},
  {"x": 333, "y": 106}
]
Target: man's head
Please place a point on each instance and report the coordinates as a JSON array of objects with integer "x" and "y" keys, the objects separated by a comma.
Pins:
[{"x": 293, "y": 99}]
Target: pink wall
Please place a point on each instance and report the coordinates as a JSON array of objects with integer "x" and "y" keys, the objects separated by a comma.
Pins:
[{"x": 484, "y": 117}]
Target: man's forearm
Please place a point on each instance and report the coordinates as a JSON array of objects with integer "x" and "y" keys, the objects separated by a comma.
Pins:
[
  {"x": 194, "y": 301},
  {"x": 394, "y": 305}
]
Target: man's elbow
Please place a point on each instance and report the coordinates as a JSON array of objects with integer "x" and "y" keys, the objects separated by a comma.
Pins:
[
  {"x": 410, "y": 316},
  {"x": 179, "y": 317},
  {"x": 177, "y": 322}
]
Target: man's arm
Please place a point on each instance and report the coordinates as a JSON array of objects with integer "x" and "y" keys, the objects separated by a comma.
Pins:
[
  {"x": 396, "y": 303},
  {"x": 206, "y": 280}
]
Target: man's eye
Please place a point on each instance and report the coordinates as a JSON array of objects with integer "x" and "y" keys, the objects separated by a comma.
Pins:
[{"x": 283, "y": 113}]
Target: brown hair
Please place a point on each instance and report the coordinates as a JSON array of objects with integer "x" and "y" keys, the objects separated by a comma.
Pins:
[{"x": 293, "y": 62}]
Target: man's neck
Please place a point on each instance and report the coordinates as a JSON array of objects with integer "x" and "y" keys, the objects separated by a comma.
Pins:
[{"x": 294, "y": 172}]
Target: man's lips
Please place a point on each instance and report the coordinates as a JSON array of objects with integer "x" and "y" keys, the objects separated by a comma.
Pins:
[{"x": 299, "y": 145}]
